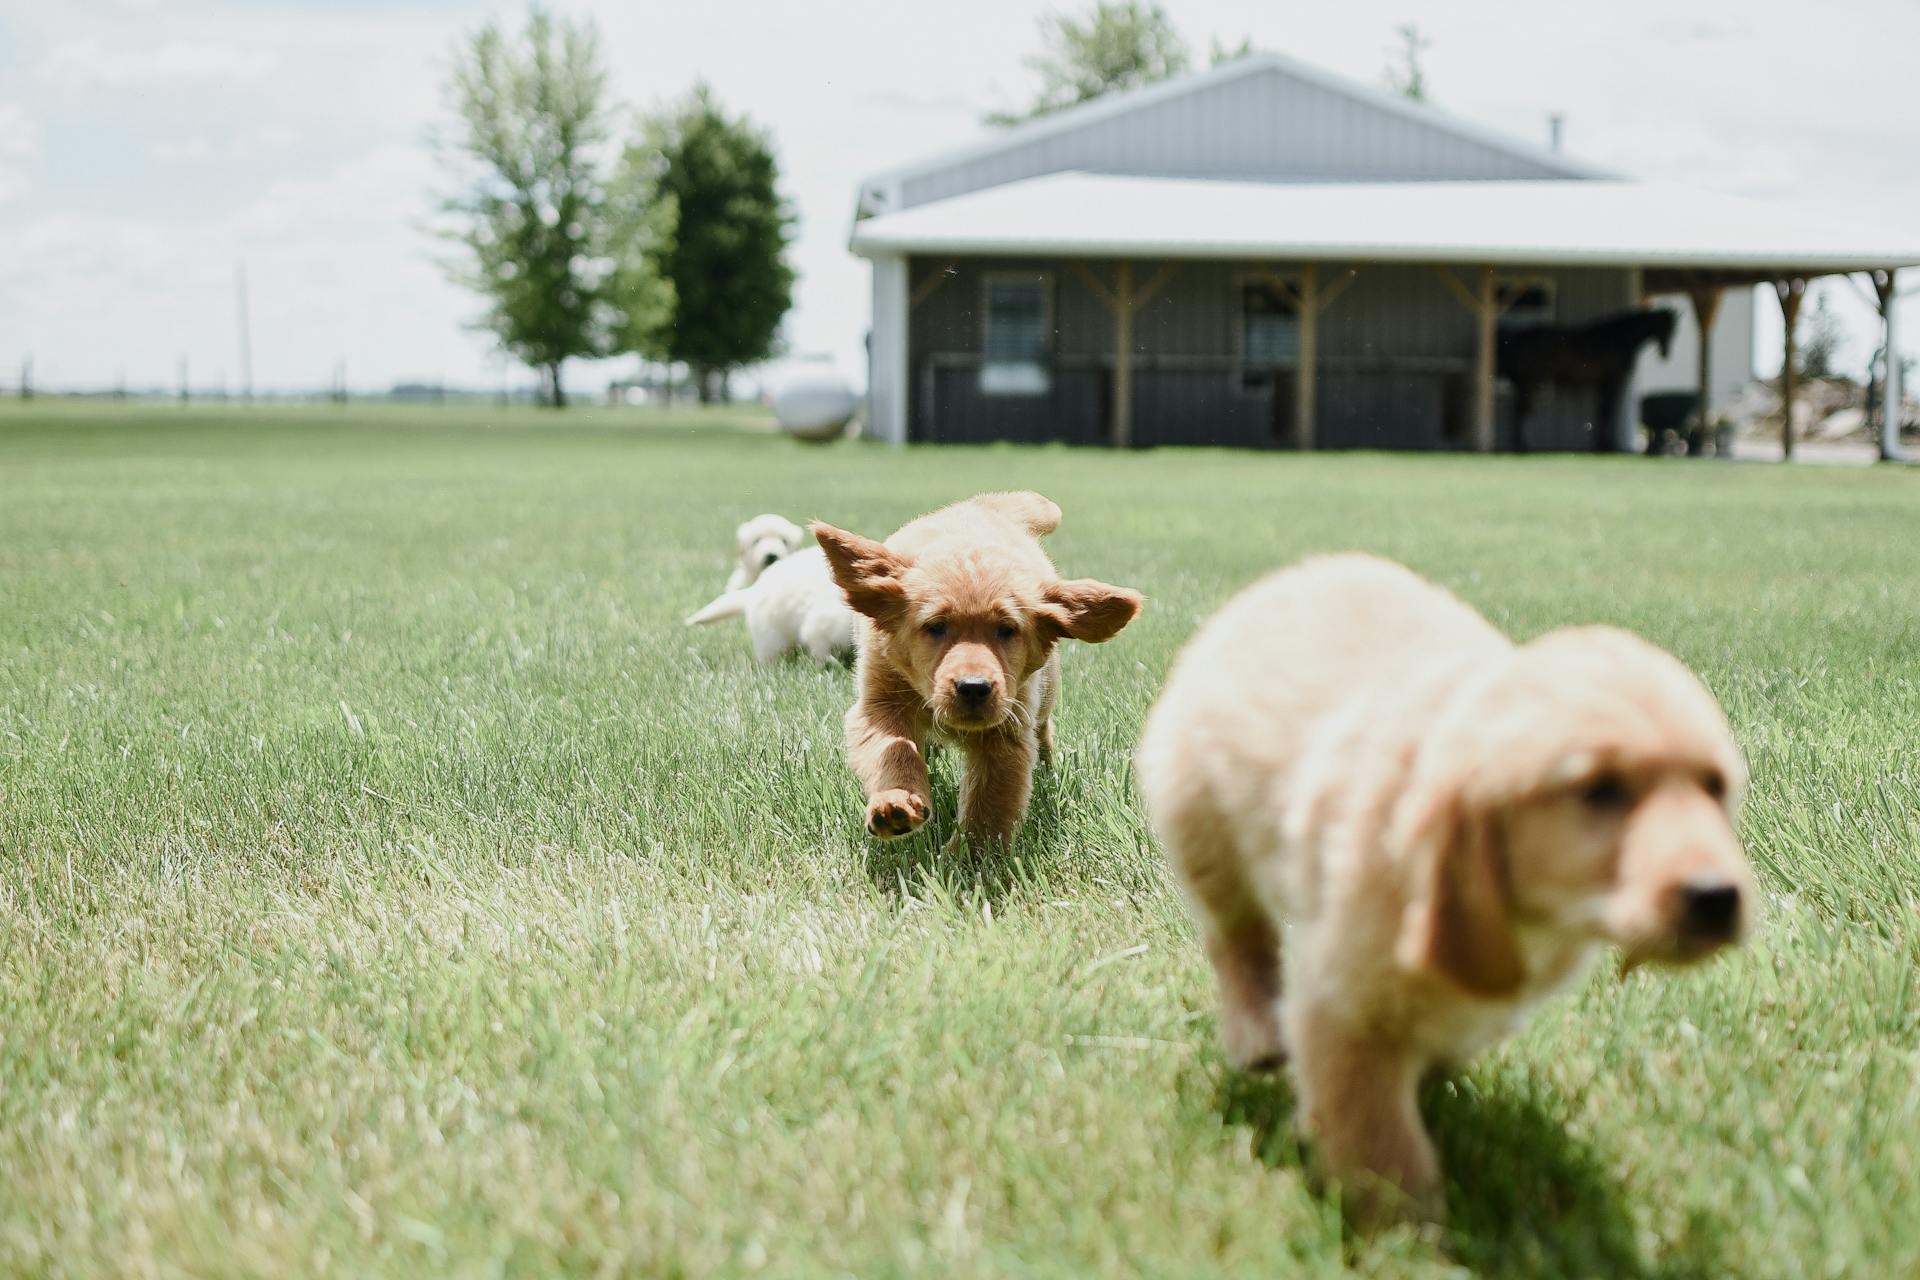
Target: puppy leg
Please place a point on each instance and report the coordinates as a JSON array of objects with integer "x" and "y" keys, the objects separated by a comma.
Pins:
[
  {"x": 770, "y": 641},
  {"x": 883, "y": 750},
  {"x": 819, "y": 632},
  {"x": 997, "y": 786},
  {"x": 1246, "y": 960},
  {"x": 1049, "y": 692},
  {"x": 1242, "y": 940},
  {"x": 1359, "y": 1107}
]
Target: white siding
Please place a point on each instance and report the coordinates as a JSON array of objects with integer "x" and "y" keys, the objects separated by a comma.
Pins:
[
  {"x": 1732, "y": 350},
  {"x": 1267, "y": 125},
  {"x": 887, "y": 352}
]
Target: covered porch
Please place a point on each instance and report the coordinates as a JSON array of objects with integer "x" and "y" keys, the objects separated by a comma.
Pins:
[{"x": 1487, "y": 247}]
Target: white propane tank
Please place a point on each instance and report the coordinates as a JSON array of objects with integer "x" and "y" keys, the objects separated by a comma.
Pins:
[{"x": 815, "y": 407}]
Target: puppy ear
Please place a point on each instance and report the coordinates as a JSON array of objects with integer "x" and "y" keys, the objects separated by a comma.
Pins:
[
  {"x": 867, "y": 571},
  {"x": 1457, "y": 925},
  {"x": 1083, "y": 609}
]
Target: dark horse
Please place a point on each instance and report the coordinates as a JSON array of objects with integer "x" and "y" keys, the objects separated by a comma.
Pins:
[{"x": 1598, "y": 355}]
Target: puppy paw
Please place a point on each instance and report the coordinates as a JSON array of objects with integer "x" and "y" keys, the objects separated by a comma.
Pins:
[
  {"x": 896, "y": 813},
  {"x": 1253, "y": 1041}
]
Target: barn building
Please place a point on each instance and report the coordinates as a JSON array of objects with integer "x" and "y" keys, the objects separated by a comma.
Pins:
[{"x": 1266, "y": 255}]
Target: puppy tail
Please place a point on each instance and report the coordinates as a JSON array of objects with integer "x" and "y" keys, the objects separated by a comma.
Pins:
[
  {"x": 730, "y": 605},
  {"x": 1033, "y": 512}
]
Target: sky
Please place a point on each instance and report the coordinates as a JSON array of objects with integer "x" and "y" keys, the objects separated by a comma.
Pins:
[{"x": 149, "y": 146}]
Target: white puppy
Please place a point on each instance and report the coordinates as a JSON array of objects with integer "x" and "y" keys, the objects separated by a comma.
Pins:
[
  {"x": 795, "y": 604},
  {"x": 761, "y": 541}
]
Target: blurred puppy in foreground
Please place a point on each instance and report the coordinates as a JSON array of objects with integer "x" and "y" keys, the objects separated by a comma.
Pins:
[
  {"x": 960, "y": 612},
  {"x": 1443, "y": 825}
]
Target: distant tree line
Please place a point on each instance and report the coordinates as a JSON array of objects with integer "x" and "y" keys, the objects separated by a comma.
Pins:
[{"x": 670, "y": 245}]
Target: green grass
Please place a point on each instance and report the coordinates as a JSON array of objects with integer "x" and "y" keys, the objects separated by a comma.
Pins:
[{"x": 390, "y": 884}]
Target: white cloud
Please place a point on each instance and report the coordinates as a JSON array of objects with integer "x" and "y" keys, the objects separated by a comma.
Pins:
[
  {"x": 197, "y": 149},
  {"x": 173, "y": 62},
  {"x": 19, "y": 148}
]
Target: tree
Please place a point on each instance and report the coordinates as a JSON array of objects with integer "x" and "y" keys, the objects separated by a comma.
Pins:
[
  {"x": 724, "y": 257},
  {"x": 1224, "y": 52},
  {"x": 641, "y": 225},
  {"x": 1822, "y": 343},
  {"x": 529, "y": 116},
  {"x": 1407, "y": 76},
  {"x": 1121, "y": 44}
]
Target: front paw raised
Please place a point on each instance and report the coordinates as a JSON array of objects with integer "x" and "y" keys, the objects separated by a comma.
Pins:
[{"x": 896, "y": 813}]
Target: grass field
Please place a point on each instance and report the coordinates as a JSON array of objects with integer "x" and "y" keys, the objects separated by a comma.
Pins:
[{"x": 390, "y": 884}]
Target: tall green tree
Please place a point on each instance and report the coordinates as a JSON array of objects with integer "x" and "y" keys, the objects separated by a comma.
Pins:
[
  {"x": 724, "y": 258},
  {"x": 1120, "y": 44},
  {"x": 1407, "y": 73},
  {"x": 530, "y": 115}
]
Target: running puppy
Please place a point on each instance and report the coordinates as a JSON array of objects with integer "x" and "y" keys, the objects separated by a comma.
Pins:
[
  {"x": 960, "y": 612},
  {"x": 794, "y": 604},
  {"x": 1444, "y": 826},
  {"x": 761, "y": 542}
]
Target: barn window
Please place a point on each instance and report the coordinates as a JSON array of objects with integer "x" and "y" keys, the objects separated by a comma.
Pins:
[
  {"x": 1269, "y": 333},
  {"x": 1524, "y": 304},
  {"x": 1013, "y": 346}
]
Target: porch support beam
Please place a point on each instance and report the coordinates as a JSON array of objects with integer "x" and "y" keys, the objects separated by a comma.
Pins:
[
  {"x": 1486, "y": 317},
  {"x": 1123, "y": 305},
  {"x": 1791, "y": 291},
  {"x": 1706, "y": 305},
  {"x": 1307, "y": 360},
  {"x": 931, "y": 285}
]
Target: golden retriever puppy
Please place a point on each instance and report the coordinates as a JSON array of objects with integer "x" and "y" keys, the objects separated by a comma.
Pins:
[
  {"x": 1443, "y": 826},
  {"x": 960, "y": 612}
]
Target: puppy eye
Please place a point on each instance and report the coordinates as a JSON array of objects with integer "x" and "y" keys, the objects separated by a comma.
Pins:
[
  {"x": 1716, "y": 785},
  {"x": 1608, "y": 791},
  {"x": 937, "y": 629},
  {"x": 1007, "y": 631}
]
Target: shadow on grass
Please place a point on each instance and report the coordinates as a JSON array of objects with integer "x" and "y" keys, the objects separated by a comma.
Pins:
[
  {"x": 1527, "y": 1198},
  {"x": 923, "y": 860},
  {"x": 1524, "y": 1197}
]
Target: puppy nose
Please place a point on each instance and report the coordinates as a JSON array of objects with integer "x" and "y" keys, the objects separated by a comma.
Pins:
[
  {"x": 769, "y": 558},
  {"x": 973, "y": 689},
  {"x": 1710, "y": 912}
]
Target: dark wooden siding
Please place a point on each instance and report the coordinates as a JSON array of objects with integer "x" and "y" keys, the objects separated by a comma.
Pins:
[{"x": 1396, "y": 356}]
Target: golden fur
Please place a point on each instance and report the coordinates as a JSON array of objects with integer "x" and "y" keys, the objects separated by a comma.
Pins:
[
  {"x": 1443, "y": 826},
  {"x": 960, "y": 612}
]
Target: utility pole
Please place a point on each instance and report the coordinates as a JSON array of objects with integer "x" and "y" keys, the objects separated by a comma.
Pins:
[
  {"x": 246, "y": 338},
  {"x": 26, "y": 378},
  {"x": 186, "y": 393}
]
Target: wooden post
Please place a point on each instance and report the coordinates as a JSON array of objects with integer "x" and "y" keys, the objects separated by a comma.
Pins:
[
  {"x": 1307, "y": 359},
  {"x": 1791, "y": 292},
  {"x": 1706, "y": 305},
  {"x": 1485, "y": 315},
  {"x": 1123, "y": 356}
]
